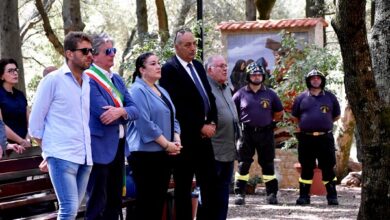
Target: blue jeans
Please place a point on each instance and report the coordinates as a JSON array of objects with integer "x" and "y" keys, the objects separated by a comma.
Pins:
[
  {"x": 224, "y": 179},
  {"x": 70, "y": 182}
]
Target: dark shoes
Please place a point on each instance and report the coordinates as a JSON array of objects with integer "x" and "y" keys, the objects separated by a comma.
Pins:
[
  {"x": 271, "y": 199},
  {"x": 240, "y": 199},
  {"x": 332, "y": 201},
  {"x": 303, "y": 200}
]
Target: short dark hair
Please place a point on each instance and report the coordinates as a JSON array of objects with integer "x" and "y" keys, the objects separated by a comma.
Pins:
[
  {"x": 4, "y": 62},
  {"x": 181, "y": 31},
  {"x": 75, "y": 37}
]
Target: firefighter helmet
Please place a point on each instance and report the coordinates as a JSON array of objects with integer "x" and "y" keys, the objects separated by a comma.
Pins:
[
  {"x": 312, "y": 73},
  {"x": 252, "y": 69}
]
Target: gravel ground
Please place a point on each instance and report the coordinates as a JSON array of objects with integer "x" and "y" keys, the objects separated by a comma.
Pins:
[{"x": 257, "y": 208}]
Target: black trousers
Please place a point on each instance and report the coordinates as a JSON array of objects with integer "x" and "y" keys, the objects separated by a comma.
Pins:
[
  {"x": 196, "y": 157},
  {"x": 263, "y": 142},
  {"x": 151, "y": 172},
  {"x": 321, "y": 148},
  {"x": 104, "y": 190}
]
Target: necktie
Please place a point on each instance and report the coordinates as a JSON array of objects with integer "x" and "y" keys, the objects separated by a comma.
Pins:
[{"x": 200, "y": 89}]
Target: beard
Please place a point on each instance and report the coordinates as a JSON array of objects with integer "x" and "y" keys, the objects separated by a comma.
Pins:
[{"x": 256, "y": 83}]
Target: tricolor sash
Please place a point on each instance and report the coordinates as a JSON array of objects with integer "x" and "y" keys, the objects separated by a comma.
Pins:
[{"x": 101, "y": 78}]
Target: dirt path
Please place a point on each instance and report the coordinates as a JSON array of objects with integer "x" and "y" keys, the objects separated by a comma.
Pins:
[{"x": 256, "y": 207}]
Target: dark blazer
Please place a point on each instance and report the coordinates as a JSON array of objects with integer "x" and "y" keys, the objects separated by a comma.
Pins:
[
  {"x": 186, "y": 98},
  {"x": 105, "y": 138}
]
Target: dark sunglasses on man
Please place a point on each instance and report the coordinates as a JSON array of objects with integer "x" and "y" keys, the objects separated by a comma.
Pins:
[
  {"x": 111, "y": 51},
  {"x": 84, "y": 51}
]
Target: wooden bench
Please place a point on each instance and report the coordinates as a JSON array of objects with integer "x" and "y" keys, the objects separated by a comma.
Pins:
[{"x": 22, "y": 184}]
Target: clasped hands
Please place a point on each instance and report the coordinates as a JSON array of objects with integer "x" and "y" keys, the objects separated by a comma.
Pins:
[
  {"x": 208, "y": 130},
  {"x": 173, "y": 148}
]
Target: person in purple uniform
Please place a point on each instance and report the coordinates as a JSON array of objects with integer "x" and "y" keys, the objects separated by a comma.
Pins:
[
  {"x": 258, "y": 109},
  {"x": 315, "y": 110}
]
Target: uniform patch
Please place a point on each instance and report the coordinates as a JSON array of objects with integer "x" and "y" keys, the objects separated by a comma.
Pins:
[
  {"x": 265, "y": 103},
  {"x": 324, "y": 109}
]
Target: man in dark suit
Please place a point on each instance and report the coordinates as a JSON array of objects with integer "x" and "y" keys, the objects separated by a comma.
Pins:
[
  {"x": 111, "y": 108},
  {"x": 186, "y": 82}
]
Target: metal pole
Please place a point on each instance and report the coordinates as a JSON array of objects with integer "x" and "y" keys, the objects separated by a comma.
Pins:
[{"x": 199, "y": 15}]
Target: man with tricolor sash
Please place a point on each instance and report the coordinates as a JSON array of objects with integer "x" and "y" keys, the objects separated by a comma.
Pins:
[{"x": 111, "y": 109}]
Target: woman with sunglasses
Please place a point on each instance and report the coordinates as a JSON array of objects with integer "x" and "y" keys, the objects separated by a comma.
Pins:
[
  {"x": 152, "y": 138},
  {"x": 13, "y": 104}
]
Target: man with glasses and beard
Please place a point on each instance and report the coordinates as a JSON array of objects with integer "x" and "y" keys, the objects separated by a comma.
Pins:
[
  {"x": 111, "y": 109},
  {"x": 59, "y": 123},
  {"x": 258, "y": 109}
]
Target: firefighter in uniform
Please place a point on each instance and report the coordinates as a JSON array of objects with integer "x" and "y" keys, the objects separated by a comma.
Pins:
[
  {"x": 315, "y": 110},
  {"x": 258, "y": 108}
]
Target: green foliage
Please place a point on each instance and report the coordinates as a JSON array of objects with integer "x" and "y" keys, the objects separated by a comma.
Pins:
[
  {"x": 32, "y": 86},
  {"x": 288, "y": 78}
]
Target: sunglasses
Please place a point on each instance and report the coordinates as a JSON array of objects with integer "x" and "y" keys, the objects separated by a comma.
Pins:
[
  {"x": 84, "y": 51},
  {"x": 110, "y": 51}
]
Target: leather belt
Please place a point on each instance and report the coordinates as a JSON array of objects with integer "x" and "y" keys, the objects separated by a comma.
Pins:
[
  {"x": 256, "y": 129},
  {"x": 317, "y": 133}
]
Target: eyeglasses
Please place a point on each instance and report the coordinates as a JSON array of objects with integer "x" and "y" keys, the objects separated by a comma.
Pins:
[
  {"x": 84, "y": 51},
  {"x": 14, "y": 71},
  {"x": 110, "y": 51}
]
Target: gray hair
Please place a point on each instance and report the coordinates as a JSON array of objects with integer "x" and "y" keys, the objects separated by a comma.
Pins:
[
  {"x": 98, "y": 40},
  {"x": 210, "y": 60},
  {"x": 180, "y": 33}
]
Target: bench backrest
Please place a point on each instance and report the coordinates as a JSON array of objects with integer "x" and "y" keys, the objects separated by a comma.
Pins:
[{"x": 20, "y": 174}]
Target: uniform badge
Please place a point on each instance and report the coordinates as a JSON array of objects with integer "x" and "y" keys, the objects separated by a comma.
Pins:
[
  {"x": 324, "y": 109},
  {"x": 265, "y": 103}
]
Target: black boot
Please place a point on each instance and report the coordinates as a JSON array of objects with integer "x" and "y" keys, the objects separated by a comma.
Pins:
[
  {"x": 304, "y": 196},
  {"x": 239, "y": 190},
  {"x": 332, "y": 193},
  {"x": 271, "y": 188}
]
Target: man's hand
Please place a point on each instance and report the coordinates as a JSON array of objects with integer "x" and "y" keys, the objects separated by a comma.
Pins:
[
  {"x": 43, "y": 166},
  {"x": 112, "y": 114},
  {"x": 208, "y": 130},
  {"x": 25, "y": 143}
]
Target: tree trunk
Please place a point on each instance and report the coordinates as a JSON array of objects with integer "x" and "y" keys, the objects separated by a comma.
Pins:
[
  {"x": 162, "y": 21},
  {"x": 375, "y": 197},
  {"x": 264, "y": 7},
  {"x": 10, "y": 44},
  {"x": 71, "y": 16},
  {"x": 34, "y": 18},
  {"x": 126, "y": 51},
  {"x": 315, "y": 8},
  {"x": 48, "y": 30},
  {"x": 371, "y": 112},
  {"x": 344, "y": 142},
  {"x": 250, "y": 10},
  {"x": 183, "y": 13},
  {"x": 142, "y": 19}
]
